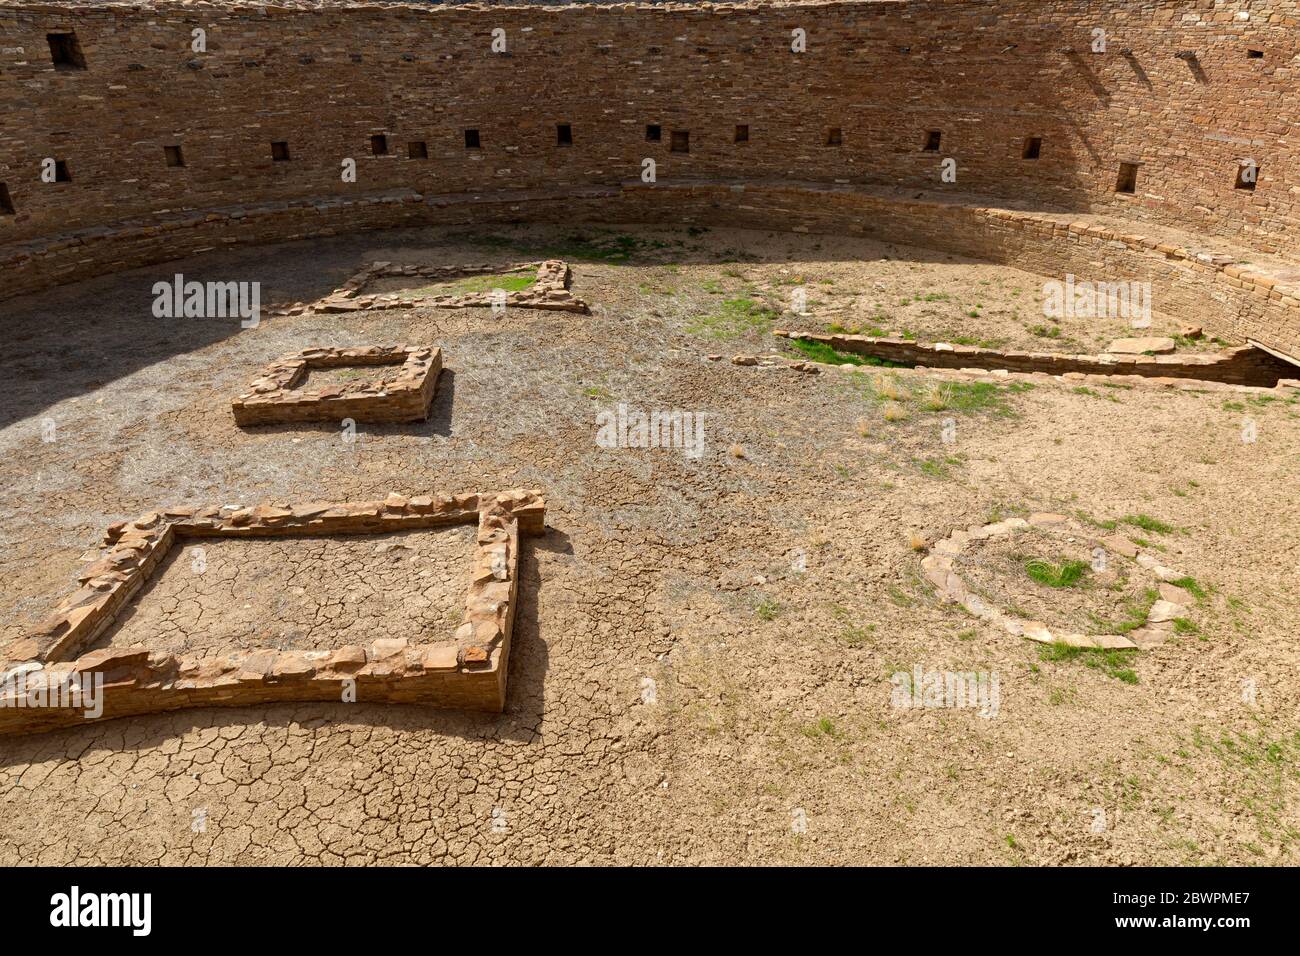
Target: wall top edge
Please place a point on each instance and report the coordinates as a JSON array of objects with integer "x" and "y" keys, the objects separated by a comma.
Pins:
[{"x": 754, "y": 6}]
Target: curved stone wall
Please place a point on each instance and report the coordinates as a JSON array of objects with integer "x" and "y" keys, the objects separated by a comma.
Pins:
[{"x": 166, "y": 151}]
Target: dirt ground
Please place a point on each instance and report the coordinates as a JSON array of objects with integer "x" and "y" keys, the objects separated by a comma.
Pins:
[
  {"x": 301, "y": 593},
  {"x": 372, "y": 375},
  {"x": 704, "y": 644}
]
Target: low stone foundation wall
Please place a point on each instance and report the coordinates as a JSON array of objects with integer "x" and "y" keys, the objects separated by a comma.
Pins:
[
  {"x": 1214, "y": 289},
  {"x": 404, "y": 395},
  {"x": 1240, "y": 366},
  {"x": 550, "y": 291},
  {"x": 466, "y": 669}
]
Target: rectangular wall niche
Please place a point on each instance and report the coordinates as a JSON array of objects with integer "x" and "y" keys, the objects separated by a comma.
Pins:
[
  {"x": 653, "y": 133},
  {"x": 681, "y": 141},
  {"x": 932, "y": 140},
  {"x": 372, "y": 383},
  {"x": 563, "y": 134},
  {"x": 65, "y": 51},
  {"x": 471, "y": 139},
  {"x": 1033, "y": 147},
  {"x": 280, "y": 152},
  {"x": 61, "y": 174},
  {"x": 6, "y": 201},
  {"x": 1127, "y": 179},
  {"x": 379, "y": 145},
  {"x": 742, "y": 133},
  {"x": 417, "y": 150},
  {"x": 834, "y": 137},
  {"x": 173, "y": 155},
  {"x": 1247, "y": 176},
  {"x": 465, "y": 667}
]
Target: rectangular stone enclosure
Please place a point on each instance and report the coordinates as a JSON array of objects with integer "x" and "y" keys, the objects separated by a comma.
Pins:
[
  {"x": 464, "y": 669},
  {"x": 396, "y": 384}
]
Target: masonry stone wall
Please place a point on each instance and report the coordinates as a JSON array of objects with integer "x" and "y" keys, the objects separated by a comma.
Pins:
[
  {"x": 1194, "y": 286},
  {"x": 1240, "y": 366},
  {"x": 1186, "y": 88}
]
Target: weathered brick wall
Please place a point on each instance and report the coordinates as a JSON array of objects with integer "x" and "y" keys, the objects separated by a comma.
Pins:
[
  {"x": 1192, "y": 287},
  {"x": 987, "y": 73}
]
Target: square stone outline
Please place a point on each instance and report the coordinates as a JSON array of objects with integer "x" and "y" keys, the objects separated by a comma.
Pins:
[
  {"x": 275, "y": 398},
  {"x": 550, "y": 292},
  {"x": 467, "y": 671}
]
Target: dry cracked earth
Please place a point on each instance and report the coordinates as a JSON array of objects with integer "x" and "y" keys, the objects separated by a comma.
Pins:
[{"x": 703, "y": 648}]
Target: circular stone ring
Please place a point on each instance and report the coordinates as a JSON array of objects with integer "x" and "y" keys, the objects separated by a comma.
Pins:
[{"x": 939, "y": 570}]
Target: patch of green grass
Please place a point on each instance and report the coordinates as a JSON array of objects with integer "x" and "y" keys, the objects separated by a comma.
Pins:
[
  {"x": 1148, "y": 523},
  {"x": 825, "y": 727},
  {"x": 854, "y": 635},
  {"x": 734, "y": 318},
  {"x": 1183, "y": 625},
  {"x": 933, "y": 468},
  {"x": 971, "y": 340},
  {"x": 354, "y": 374},
  {"x": 1190, "y": 585},
  {"x": 1113, "y": 663},
  {"x": 1060, "y": 695},
  {"x": 768, "y": 610},
  {"x": 900, "y": 598},
  {"x": 1067, "y": 574},
  {"x": 984, "y": 397},
  {"x": 821, "y": 352},
  {"x": 1045, "y": 331},
  {"x": 1084, "y": 390},
  {"x": 1004, "y": 510},
  {"x": 474, "y": 284},
  {"x": 1135, "y": 615},
  {"x": 964, "y": 397},
  {"x": 1089, "y": 520}
]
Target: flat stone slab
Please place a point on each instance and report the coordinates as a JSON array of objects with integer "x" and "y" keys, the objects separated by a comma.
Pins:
[{"x": 1155, "y": 344}]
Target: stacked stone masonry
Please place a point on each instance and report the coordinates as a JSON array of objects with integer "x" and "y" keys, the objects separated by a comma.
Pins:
[
  {"x": 169, "y": 151},
  {"x": 1239, "y": 366},
  {"x": 466, "y": 669},
  {"x": 550, "y": 291},
  {"x": 403, "y": 394}
]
